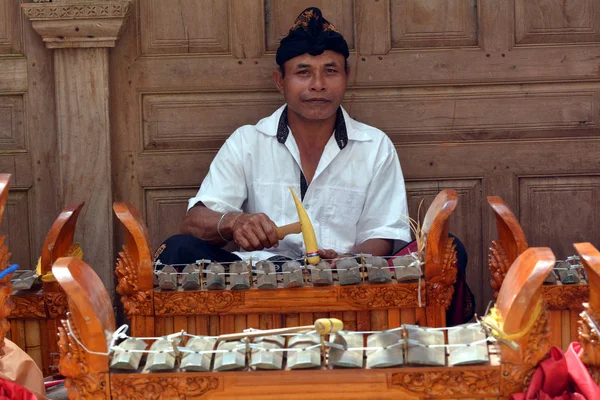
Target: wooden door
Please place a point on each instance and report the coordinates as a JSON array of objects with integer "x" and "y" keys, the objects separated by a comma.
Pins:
[
  {"x": 27, "y": 135},
  {"x": 488, "y": 97}
]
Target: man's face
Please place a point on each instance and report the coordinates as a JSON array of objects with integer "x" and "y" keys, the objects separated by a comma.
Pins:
[{"x": 313, "y": 86}]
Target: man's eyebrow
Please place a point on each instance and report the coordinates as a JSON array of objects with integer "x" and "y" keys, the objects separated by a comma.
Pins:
[
  {"x": 303, "y": 66},
  {"x": 332, "y": 64}
]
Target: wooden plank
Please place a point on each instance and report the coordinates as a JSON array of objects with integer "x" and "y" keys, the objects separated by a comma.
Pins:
[
  {"x": 420, "y": 317},
  {"x": 180, "y": 323},
  {"x": 46, "y": 357},
  {"x": 403, "y": 68},
  {"x": 53, "y": 325},
  {"x": 265, "y": 321},
  {"x": 337, "y": 314},
  {"x": 379, "y": 320},
  {"x": 191, "y": 325},
  {"x": 349, "y": 318},
  {"x": 202, "y": 325},
  {"x": 14, "y": 74},
  {"x": 278, "y": 321},
  {"x": 555, "y": 325},
  {"x": 306, "y": 318},
  {"x": 17, "y": 332},
  {"x": 213, "y": 325},
  {"x": 33, "y": 340},
  {"x": 149, "y": 321},
  {"x": 292, "y": 319},
  {"x": 45, "y": 203},
  {"x": 498, "y": 18},
  {"x": 394, "y": 319},
  {"x": 408, "y": 316},
  {"x": 373, "y": 30},
  {"x": 253, "y": 321},
  {"x": 85, "y": 151},
  {"x": 169, "y": 325},
  {"x": 160, "y": 326},
  {"x": 565, "y": 329},
  {"x": 247, "y": 28},
  {"x": 10, "y": 31},
  {"x": 240, "y": 323},
  {"x": 226, "y": 324},
  {"x": 363, "y": 321},
  {"x": 574, "y": 317}
]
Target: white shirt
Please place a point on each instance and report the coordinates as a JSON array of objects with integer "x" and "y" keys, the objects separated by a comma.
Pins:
[{"x": 357, "y": 193}]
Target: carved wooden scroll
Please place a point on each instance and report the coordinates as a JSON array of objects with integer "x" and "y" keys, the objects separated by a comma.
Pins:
[
  {"x": 525, "y": 313},
  {"x": 440, "y": 257},
  {"x": 90, "y": 320},
  {"x": 510, "y": 244},
  {"x": 134, "y": 266}
]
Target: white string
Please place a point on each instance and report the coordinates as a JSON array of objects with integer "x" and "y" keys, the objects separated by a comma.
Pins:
[{"x": 120, "y": 334}]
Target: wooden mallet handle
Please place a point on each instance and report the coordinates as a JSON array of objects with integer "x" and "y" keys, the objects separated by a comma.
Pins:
[
  {"x": 323, "y": 326},
  {"x": 283, "y": 231}
]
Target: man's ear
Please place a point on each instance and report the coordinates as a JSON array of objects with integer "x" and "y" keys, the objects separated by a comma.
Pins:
[{"x": 278, "y": 79}]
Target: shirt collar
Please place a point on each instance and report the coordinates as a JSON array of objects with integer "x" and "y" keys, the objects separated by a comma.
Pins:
[{"x": 346, "y": 128}]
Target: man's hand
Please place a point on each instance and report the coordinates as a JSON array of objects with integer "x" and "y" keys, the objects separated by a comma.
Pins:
[
  {"x": 254, "y": 232},
  {"x": 328, "y": 254}
]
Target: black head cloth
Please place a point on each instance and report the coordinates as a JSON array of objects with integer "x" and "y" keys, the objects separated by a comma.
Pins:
[{"x": 312, "y": 34}]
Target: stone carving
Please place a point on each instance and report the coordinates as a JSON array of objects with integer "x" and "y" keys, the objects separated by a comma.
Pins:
[
  {"x": 383, "y": 296},
  {"x": 135, "y": 301},
  {"x": 499, "y": 265},
  {"x": 192, "y": 303},
  {"x": 451, "y": 382},
  {"x": 142, "y": 387}
]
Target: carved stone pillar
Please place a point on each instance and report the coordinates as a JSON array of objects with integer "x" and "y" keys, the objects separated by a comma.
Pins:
[{"x": 80, "y": 32}]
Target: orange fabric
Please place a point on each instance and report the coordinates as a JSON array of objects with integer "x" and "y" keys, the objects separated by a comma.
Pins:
[
  {"x": 562, "y": 376},
  {"x": 16, "y": 366}
]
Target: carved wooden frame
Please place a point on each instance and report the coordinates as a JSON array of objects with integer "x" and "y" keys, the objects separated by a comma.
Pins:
[
  {"x": 88, "y": 374},
  {"x": 49, "y": 304},
  {"x": 142, "y": 304}
]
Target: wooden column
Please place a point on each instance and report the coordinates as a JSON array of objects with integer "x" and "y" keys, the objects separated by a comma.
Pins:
[{"x": 80, "y": 32}]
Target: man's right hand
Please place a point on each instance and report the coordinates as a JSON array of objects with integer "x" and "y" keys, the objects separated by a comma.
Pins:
[{"x": 254, "y": 232}]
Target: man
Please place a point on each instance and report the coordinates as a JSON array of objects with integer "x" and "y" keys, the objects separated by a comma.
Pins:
[{"x": 347, "y": 173}]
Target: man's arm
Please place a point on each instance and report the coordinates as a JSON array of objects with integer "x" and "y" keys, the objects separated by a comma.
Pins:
[
  {"x": 385, "y": 212},
  {"x": 249, "y": 231},
  {"x": 376, "y": 247}
]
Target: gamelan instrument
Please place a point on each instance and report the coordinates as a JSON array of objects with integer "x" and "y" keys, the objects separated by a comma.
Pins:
[
  {"x": 565, "y": 289},
  {"x": 489, "y": 359},
  {"x": 39, "y": 302},
  {"x": 367, "y": 293}
]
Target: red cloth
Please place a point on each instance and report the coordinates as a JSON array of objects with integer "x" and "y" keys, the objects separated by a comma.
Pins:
[
  {"x": 562, "y": 376},
  {"x": 14, "y": 391}
]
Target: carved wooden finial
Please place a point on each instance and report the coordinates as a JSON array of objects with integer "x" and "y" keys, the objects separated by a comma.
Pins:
[
  {"x": 510, "y": 244},
  {"x": 440, "y": 256},
  {"x": 134, "y": 269},
  {"x": 524, "y": 317}
]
